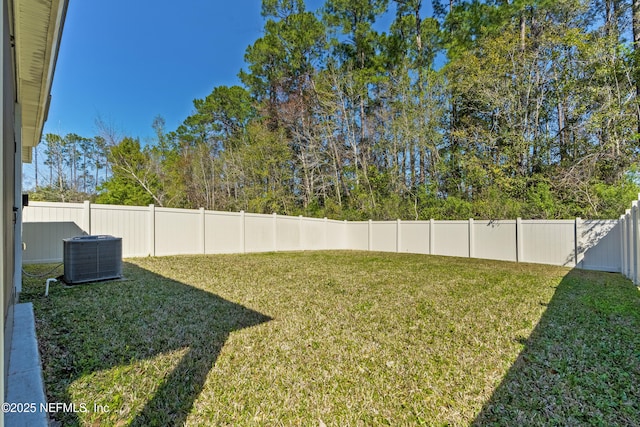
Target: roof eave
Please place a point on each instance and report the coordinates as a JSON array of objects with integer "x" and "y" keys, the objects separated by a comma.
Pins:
[{"x": 37, "y": 29}]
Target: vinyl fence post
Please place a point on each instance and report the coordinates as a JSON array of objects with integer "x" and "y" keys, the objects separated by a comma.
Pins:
[
  {"x": 301, "y": 231},
  {"x": 369, "y": 236},
  {"x": 275, "y": 232},
  {"x": 203, "y": 235},
  {"x": 398, "y": 241},
  {"x": 326, "y": 233},
  {"x": 632, "y": 242},
  {"x": 635, "y": 237},
  {"x": 579, "y": 244},
  {"x": 151, "y": 232},
  {"x": 519, "y": 241},
  {"x": 472, "y": 240},
  {"x": 623, "y": 246},
  {"x": 635, "y": 243},
  {"x": 243, "y": 245},
  {"x": 86, "y": 217},
  {"x": 432, "y": 236},
  {"x": 346, "y": 241},
  {"x": 628, "y": 242}
]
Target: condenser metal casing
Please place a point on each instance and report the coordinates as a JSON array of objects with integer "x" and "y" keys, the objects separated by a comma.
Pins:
[{"x": 92, "y": 258}]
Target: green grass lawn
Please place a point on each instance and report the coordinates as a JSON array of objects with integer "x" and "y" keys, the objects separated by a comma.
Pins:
[{"x": 341, "y": 338}]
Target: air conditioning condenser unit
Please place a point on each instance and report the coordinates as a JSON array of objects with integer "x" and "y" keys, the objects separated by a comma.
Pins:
[{"x": 92, "y": 258}]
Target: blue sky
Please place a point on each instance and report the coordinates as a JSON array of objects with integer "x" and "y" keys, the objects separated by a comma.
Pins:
[{"x": 127, "y": 61}]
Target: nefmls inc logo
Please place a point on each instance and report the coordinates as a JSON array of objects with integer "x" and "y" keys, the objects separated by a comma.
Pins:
[{"x": 53, "y": 407}]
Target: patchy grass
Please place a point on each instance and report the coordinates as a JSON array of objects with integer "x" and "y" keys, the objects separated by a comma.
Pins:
[{"x": 342, "y": 338}]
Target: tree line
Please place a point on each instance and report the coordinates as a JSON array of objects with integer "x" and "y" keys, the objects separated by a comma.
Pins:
[{"x": 456, "y": 109}]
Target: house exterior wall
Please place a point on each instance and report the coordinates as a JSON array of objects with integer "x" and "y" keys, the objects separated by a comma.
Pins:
[{"x": 7, "y": 188}]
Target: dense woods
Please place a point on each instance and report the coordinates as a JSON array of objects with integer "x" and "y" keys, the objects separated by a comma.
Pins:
[{"x": 455, "y": 109}]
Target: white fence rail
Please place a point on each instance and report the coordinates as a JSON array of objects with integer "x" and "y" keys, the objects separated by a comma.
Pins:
[{"x": 151, "y": 230}]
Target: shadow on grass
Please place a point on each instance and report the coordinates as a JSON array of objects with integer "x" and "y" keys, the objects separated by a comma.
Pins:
[
  {"x": 581, "y": 364},
  {"x": 96, "y": 327}
]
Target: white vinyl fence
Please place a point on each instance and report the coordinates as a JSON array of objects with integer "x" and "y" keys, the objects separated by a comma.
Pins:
[
  {"x": 630, "y": 243},
  {"x": 161, "y": 231}
]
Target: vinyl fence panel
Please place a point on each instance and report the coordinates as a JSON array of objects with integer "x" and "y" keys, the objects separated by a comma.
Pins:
[
  {"x": 128, "y": 222},
  {"x": 600, "y": 246},
  {"x": 288, "y": 233},
  {"x": 495, "y": 240},
  {"x": 55, "y": 212},
  {"x": 223, "y": 232},
  {"x": 177, "y": 231},
  {"x": 451, "y": 238},
  {"x": 337, "y": 235},
  {"x": 608, "y": 245},
  {"x": 383, "y": 236},
  {"x": 46, "y": 224},
  {"x": 358, "y": 235},
  {"x": 314, "y": 236},
  {"x": 259, "y": 234},
  {"x": 414, "y": 237},
  {"x": 549, "y": 242},
  {"x": 43, "y": 240}
]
